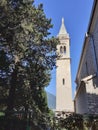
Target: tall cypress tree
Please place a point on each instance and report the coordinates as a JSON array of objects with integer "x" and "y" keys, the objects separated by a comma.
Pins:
[{"x": 26, "y": 55}]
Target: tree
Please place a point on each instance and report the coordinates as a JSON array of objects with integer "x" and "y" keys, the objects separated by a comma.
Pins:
[
  {"x": 74, "y": 121},
  {"x": 70, "y": 121},
  {"x": 28, "y": 56}
]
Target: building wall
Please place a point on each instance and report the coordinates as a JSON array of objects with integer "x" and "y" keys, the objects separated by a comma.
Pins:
[
  {"x": 81, "y": 101},
  {"x": 95, "y": 40},
  {"x": 64, "y": 91},
  {"x": 86, "y": 100},
  {"x": 88, "y": 69},
  {"x": 88, "y": 66},
  {"x": 92, "y": 96}
]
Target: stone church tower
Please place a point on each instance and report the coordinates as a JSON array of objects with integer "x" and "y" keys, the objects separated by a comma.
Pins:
[{"x": 63, "y": 73}]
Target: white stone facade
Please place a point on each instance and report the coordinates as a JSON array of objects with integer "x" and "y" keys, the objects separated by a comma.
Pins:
[{"x": 63, "y": 73}]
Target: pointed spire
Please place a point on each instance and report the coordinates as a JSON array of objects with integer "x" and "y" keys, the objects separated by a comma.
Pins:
[{"x": 62, "y": 29}]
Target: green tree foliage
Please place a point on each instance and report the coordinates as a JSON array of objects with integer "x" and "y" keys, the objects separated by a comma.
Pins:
[
  {"x": 72, "y": 122},
  {"x": 75, "y": 121},
  {"x": 26, "y": 56},
  {"x": 68, "y": 121}
]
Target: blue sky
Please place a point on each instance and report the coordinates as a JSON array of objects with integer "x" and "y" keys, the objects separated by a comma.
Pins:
[{"x": 76, "y": 15}]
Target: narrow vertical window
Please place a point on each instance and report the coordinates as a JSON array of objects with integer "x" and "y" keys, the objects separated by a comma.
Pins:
[
  {"x": 64, "y": 49},
  {"x": 61, "y": 49},
  {"x": 63, "y": 81}
]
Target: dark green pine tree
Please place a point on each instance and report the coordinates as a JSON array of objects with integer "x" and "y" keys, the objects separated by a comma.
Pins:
[{"x": 27, "y": 56}]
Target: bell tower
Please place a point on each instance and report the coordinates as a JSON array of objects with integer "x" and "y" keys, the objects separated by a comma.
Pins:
[{"x": 63, "y": 73}]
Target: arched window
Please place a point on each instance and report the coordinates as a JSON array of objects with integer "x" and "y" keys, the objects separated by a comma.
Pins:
[
  {"x": 63, "y": 81},
  {"x": 61, "y": 49},
  {"x": 64, "y": 49}
]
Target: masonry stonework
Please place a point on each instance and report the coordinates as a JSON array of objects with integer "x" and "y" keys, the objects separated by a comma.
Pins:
[
  {"x": 86, "y": 98},
  {"x": 63, "y": 73}
]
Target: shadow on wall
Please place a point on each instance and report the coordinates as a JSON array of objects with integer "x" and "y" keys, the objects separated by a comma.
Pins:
[{"x": 92, "y": 103}]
